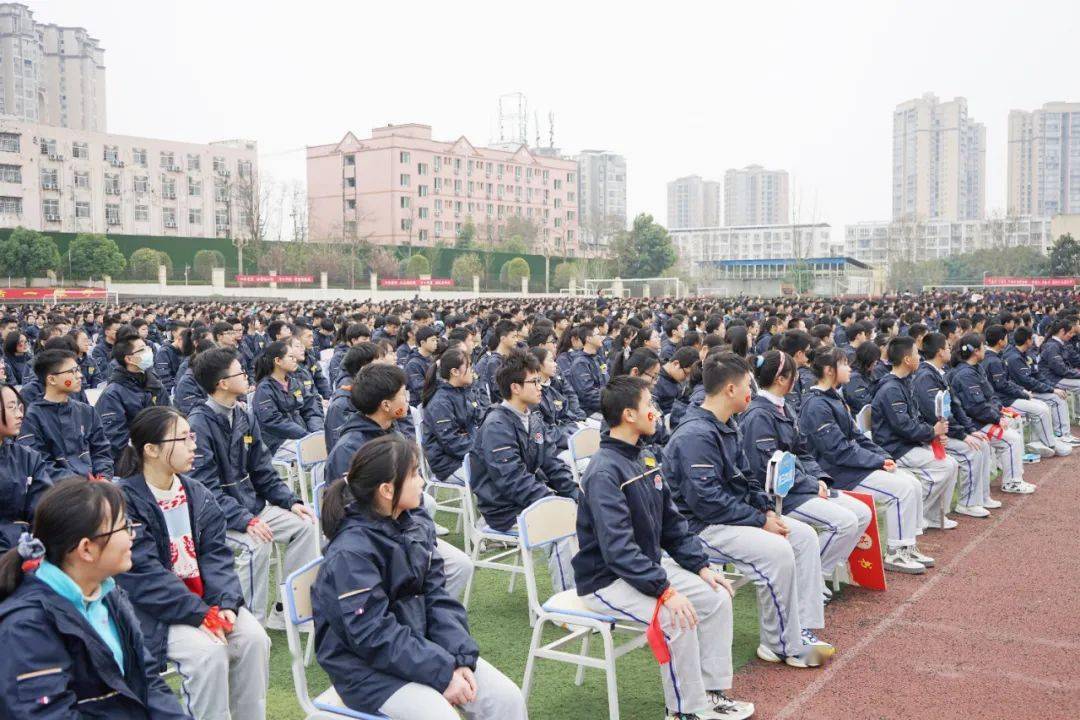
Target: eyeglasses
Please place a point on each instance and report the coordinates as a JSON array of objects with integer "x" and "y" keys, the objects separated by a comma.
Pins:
[
  {"x": 128, "y": 525},
  {"x": 69, "y": 371},
  {"x": 535, "y": 381},
  {"x": 190, "y": 437},
  {"x": 230, "y": 377}
]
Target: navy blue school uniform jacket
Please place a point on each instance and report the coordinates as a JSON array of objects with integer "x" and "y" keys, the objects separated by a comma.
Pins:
[
  {"x": 588, "y": 376},
  {"x": 709, "y": 476},
  {"x": 666, "y": 391},
  {"x": 926, "y": 383},
  {"x": 90, "y": 376},
  {"x": 166, "y": 365},
  {"x": 338, "y": 411},
  {"x": 840, "y": 448},
  {"x": 898, "y": 426},
  {"x": 160, "y": 597},
  {"x": 1022, "y": 371},
  {"x": 1053, "y": 367},
  {"x": 101, "y": 354},
  {"x": 404, "y": 350},
  {"x": 359, "y": 430},
  {"x": 383, "y": 618},
  {"x": 626, "y": 518},
  {"x": 32, "y": 391},
  {"x": 19, "y": 368},
  {"x": 416, "y": 368},
  {"x": 513, "y": 467},
  {"x": 762, "y": 345},
  {"x": 313, "y": 368},
  {"x": 124, "y": 397},
  {"x": 24, "y": 478},
  {"x": 251, "y": 346},
  {"x": 667, "y": 349},
  {"x": 187, "y": 393},
  {"x": 997, "y": 372},
  {"x": 333, "y": 368},
  {"x": 283, "y": 414},
  {"x": 451, "y": 419},
  {"x": 879, "y": 371},
  {"x": 766, "y": 428},
  {"x": 486, "y": 369},
  {"x": 804, "y": 380},
  {"x": 70, "y": 438},
  {"x": 971, "y": 388},
  {"x": 232, "y": 462},
  {"x": 57, "y": 667},
  {"x": 555, "y": 410},
  {"x": 858, "y": 391}
]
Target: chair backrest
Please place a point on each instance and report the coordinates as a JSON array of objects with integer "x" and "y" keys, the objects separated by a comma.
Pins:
[
  {"x": 93, "y": 395},
  {"x": 546, "y": 521},
  {"x": 584, "y": 443},
  {"x": 316, "y": 498},
  {"x": 296, "y": 597},
  {"x": 863, "y": 419},
  {"x": 311, "y": 449},
  {"x": 418, "y": 424}
]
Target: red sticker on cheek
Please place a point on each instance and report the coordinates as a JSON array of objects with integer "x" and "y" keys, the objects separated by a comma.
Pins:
[
  {"x": 67, "y": 383},
  {"x": 652, "y": 417},
  {"x": 747, "y": 399}
]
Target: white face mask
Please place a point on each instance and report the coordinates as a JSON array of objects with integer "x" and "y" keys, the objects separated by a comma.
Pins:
[{"x": 146, "y": 359}]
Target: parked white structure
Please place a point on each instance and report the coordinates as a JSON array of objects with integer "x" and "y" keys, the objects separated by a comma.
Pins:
[
  {"x": 755, "y": 196},
  {"x": 694, "y": 203},
  {"x": 1044, "y": 160},
  {"x": 939, "y": 161},
  {"x": 50, "y": 74},
  {"x": 882, "y": 243},
  {"x": 65, "y": 180},
  {"x": 754, "y": 242}
]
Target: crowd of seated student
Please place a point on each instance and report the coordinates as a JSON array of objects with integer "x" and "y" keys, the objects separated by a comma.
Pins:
[{"x": 197, "y": 401}]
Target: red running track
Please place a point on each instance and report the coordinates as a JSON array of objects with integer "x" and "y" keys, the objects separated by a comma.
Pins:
[{"x": 992, "y": 632}]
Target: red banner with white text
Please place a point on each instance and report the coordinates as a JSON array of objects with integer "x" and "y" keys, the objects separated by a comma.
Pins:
[
  {"x": 865, "y": 563},
  {"x": 1033, "y": 281}
]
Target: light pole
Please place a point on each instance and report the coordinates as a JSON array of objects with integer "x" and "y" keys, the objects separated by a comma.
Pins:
[{"x": 186, "y": 269}]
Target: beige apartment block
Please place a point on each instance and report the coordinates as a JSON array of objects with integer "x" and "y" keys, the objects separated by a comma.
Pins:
[
  {"x": 66, "y": 180},
  {"x": 693, "y": 203},
  {"x": 50, "y": 74},
  {"x": 1044, "y": 160},
  {"x": 402, "y": 187},
  {"x": 755, "y": 196},
  {"x": 939, "y": 161}
]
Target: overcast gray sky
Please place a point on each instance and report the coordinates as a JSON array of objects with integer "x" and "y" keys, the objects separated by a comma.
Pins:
[{"x": 678, "y": 88}]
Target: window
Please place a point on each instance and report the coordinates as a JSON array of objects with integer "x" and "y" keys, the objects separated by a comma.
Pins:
[
  {"x": 406, "y": 224},
  {"x": 49, "y": 179},
  {"x": 438, "y": 228},
  {"x": 221, "y": 191},
  {"x": 168, "y": 217},
  {"x": 403, "y": 180},
  {"x": 138, "y": 156},
  {"x": 194, "y": 216},
  {"x": 404, "y": 202},
  {"x": 80, "y": 150},
  {"x": 82, "y": 209},
  {"x": 193, "y": 162},
  {"x": 350, "y": 204},
  {"x": 422, "y": 236},
  {"x": 11, "y": 173},
  {"x": 112, "y": 214},
  {"x": 438, "y": 205},
  {"x": 438, "y": 163},
  {"x": 569, "y": 176},
  {"x": 221, "y": 218},
  {"x": 438, "y": 184},
  {"x": 51, "y": 210},
  {"x": 557, "y": 184},
  {"x": 142, "y": 213},
  {"x": 168, "y": 188},
  {"x": 350, "y": 182},
  {"x": 142, "y": 183},
  {"x": 112, "y": 184},
  {"x": 194, "y": 187},
  {"x": 168, "y": 161},
  {"x": 350, "y": 160},
  {"x": 421, "y": 168},
  {"x": 9, "y": 142},
  {"x": 243, "y": 168},
  {"x": 219, "y": 165},
  {"x": 423, "y": 213},
  {"x": 48, "y": 147},
  {"x": 350, "y": 228},
  {"x": 403, "y": 157},
  {"x": 422, "y": 190}
]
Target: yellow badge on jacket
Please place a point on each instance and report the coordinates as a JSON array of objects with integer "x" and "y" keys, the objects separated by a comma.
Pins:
[{"x": 247, "y": 440}]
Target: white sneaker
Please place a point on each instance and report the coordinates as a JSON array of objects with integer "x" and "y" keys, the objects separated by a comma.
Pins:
[
  {"x": 914, "y": 553},
  {"x": 991, "y": 504},
  {"x": 949, "y": 524},
  {"x": 441, "y": 530},
  {"x": 1018, "y": 487},
  {"x": 975, "y": 511},
  {"x": 825, "y": 650},
  {"x": 1040, "y": 449},
  {"x": 809, "y": 657},
  {"x": 1062, "y": 449},
  {"x": 727, "y": 708},
  {"x": 1070, "y": 439},
  {"x": 897, "y": 560}
]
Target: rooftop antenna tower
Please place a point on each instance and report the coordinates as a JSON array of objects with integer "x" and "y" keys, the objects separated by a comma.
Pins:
[
  {"x": 513, "y": 119},
  {"x": 551, "y": 129},
  {"x": 536, "y": 127}
]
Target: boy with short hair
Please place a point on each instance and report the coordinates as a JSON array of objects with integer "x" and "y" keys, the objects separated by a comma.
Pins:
[
  {"x": 626, "y": 520},
  {"x": 132, "y": 387},
  {"x": 1021, "y": 367}
]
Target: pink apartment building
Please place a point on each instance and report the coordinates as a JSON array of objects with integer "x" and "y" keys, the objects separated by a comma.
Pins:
[{"x": 401, "y": 187}]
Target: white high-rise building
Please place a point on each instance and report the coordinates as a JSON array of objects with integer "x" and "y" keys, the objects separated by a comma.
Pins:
[
  {"x": 882, "y": 243},
  {"x": 693, "y": 203},
  {"x": 601, "y": 194},
  {"x": 50, "y": 74},
  {"x": 1044, "y": 160},
  {"x": 755, "y": 196},
  {"x": 939, "y": 161}
]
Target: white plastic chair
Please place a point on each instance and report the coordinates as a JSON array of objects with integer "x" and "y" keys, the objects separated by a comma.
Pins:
[
  {"x": 310, "y": 453},
  {"x": 864, "y": 421},
  {"x": 296, "y": 595},
  {"x": 543, "y": 523},
  {"x": 583, "y": 444},
  {"x": 455, "y": 503},
  {"x": 480, "y": 536},
  {"x": 93, "y": 394}
]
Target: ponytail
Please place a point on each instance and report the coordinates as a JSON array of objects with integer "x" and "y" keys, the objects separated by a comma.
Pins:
[
  {"x": 453, "y": 358},
  {"x": 333, "y": 506},
  {"x": 264, "y": 364},
  {"x": 771, "y": 366},
  {"x": 151, "y": 426}
]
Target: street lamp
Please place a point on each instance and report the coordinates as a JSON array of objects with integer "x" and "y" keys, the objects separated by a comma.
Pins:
[{"x": 186, "y": 269}]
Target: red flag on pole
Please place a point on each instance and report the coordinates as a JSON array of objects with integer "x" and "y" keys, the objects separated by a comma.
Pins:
[
  {"x": 865, "y": 562},
  {"x": 655, "y": 635}
]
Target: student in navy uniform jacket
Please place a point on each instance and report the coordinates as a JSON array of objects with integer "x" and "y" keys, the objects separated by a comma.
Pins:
[
  {"x": 768, "y": 426},
  {"x": 451, "y": 414},
  {"x": 182, "y": 582},
  {"x": 710, "y": 483},
  {"x": 131, "y": 388},
  {"x": 1053, "y": 366},
  {"x": 101, "y": 354},
  {"x": 1021, "y": 368},
  {"x": 625, "y": 521},
  {"x": 17, "y": 357},
  {"x": 341, "y": 409},
  {"x": 513, "y": 465},
  {"x": 973, "y": 391},
  {"x": 310, "y": 365},
  {"x": 90, "y": 376},
  {"x": 859, "y": 390},
  {"x": 253, "y": 342},
  {"x": 234, "y": 464},
  {"x": 899, "y": 429},
  {"x": 24, "y": 475},
  {"x": 32, "y": 390},
  {"x": 855, "y": 462},
  {"x": 64, "y": 431},
  {"x": 673, "y": 373},
  {"x": 555, "y": 409},
  {"x": 280, "y": 408},
  {"x": 390, "y": 636},
  {"x": 796, "y": 343},
  {"x": 66, "y": 657},
  {"x": 966, "y": 443},
  {"x": 588, "y": 371},
  {"x": 416, "y": 367},
  {"x": 505, "y": 336}
]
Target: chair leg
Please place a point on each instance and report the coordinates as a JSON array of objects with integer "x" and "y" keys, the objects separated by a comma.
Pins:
[
  {"x": 579, "y": 679},
  {"x": 513, "y": 575},
  {"x": 526, "y": 682},
  {"x": 612, "y": 683}
]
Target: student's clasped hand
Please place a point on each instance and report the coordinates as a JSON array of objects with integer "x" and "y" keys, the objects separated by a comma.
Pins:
[{"x": 462, "y": 687}]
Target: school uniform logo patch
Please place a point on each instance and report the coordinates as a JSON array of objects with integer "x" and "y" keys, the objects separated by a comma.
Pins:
[
  {"x": 658, "y": 481},
  {"x": 538, "y": 438},
  {"x": 650, "y": 461},
  {"x": 247, "y": 440}
]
